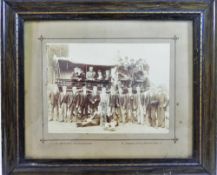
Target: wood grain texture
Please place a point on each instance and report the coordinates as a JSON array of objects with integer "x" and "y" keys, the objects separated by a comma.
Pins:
[
  {"x": 201, "y": 12},
  {"x": 102, "y": 6},
  {"x": 9, "y": 91},
  {"x": 209, "y": 91}
]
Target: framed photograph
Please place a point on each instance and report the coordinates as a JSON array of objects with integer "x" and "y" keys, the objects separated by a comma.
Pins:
[{"x": 111, "y": 87}]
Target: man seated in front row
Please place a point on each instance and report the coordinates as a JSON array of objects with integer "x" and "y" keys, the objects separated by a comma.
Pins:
[
  {"x": 114, "y": 122},
  {"x": 92, "y": 121}
]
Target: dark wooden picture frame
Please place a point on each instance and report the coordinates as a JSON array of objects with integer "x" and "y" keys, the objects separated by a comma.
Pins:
[{"x": 203, "y": 15}]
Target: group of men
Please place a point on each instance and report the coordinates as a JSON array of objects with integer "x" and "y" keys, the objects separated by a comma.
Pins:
[
  {"x": 133, "y": 73},
  {"x": 128, "y": 72},
  {"x": 108, "y": 107},
  {"x": 92, "y": 75},
  {"x": 127, "y": 97},
  {"x": 78, "y": 74}
]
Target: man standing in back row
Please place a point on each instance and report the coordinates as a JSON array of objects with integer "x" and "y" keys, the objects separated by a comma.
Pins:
[
  {"x": 113, "y": 102},
  {"x": 163, "y": 103},
  {"x": 54, "y": 103},
  {"x": 139, "y": 112},
  {"x": 64, "y": 100},
  {"x": 83, "y": 102},
  {"x": 122, "y": 105},
  {"x": 152, "y": 105},
  {"x": 103, "y": 106},
  {"x": 131, "y": 105},
  {"x": 94, "y": 100},
  {"x": 73, "y": 104}
]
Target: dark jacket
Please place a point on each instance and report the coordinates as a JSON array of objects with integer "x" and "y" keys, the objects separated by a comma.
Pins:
[
  {"x": 122, "y": 100},
  {"x": 83, "y": 100},
  {"x": 131, "y": 102},
  {"x": 54, "y": 98},
  {"x": 73, "y": 100},
  {"x": 94, "y": 100},
  {"x": 64, "y": 98},
  {"x": 113, "y": 100}
]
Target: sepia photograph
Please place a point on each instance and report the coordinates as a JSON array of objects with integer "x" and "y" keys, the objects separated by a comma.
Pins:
[{"x": 108, "y": 87}]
